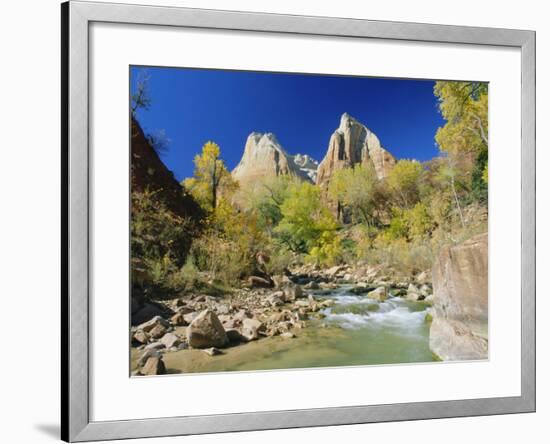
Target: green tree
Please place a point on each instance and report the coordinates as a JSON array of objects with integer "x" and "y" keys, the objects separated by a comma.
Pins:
[
  {"x": 464, "y": 105},
  {"x": 266, "y": 197},
  {"x": 305, "y": 222},
  {"x": 355, "y": 188},
  {"x": 404, "y": 180},
  {"x": 210, "y": 179},
  {"x": 465, "y": 137}
]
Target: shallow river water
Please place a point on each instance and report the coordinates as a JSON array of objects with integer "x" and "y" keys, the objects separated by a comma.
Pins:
[{"x": 357, "y": 330}]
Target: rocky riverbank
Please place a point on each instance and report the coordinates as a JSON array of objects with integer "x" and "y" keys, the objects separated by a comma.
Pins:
[{"x": 205, "y": 326}]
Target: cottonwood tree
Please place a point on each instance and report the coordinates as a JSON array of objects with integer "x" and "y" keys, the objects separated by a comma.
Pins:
[
  {"x": 465, "y": 136},
  {"x": 355, "y": 188},
  {"x": 404, "y": 181},
  {"x": 210, "y": 178}
]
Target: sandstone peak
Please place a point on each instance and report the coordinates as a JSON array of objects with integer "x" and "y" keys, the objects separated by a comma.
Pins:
[
  {"x": 346, "y": 121},
  {"x": 264, "y": 156},
  {"x": 353, "y": 143}
]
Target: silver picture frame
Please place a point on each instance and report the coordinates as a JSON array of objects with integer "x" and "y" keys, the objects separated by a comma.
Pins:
[{"x": 77, "y": 16}]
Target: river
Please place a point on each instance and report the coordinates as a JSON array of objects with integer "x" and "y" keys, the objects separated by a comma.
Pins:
[{"x": 356, "y": 330}]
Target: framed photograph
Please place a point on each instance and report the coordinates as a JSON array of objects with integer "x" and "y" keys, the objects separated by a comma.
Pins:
[{"x": 278, "y": 221}]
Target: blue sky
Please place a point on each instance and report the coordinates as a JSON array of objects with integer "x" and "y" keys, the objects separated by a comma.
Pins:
[{"x": 193, "y": 106}]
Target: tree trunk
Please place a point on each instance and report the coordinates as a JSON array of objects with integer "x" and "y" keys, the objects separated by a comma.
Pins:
[{"x": 457, "y": 202}]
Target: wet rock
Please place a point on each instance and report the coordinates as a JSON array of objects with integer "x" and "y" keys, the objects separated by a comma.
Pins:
[
  {"x": 301, "y": 314},
  {"x": 312, "y": 285},
  {"x": 206, "y": 331},
  {"x": 429, "y": 299},
  {"x": 379, "y": 294},
  {"x": 362, "y": 288},
  {"x": 414, "y": 294},
  {"x": 425, "y": 290}
]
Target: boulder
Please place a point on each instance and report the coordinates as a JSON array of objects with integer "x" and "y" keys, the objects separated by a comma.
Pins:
[
  {"x": 146, "y": 355},
  {"x": 234, "y": 335},
  {"x": 189, "y": 317},
  {"x": 280, "y": 280},
  {"x": 460, "y": 301},
  {"x": 348, "y": 277},
  {"x": 251, "y": 328},
  {"x": 362, "y": 288},
  {"x": 206, "y": 331},
  {"x": 425, "y": 290},
  {"x": 158, "y": 331},
  {"x": 379, "y": 294},
  {"x": 292, "y": 292},
  {"x": 154, "y": 346},
  {"x": 170, "y": 340},
  {"x": 276, "y": 299},
  {"x": 333, "y": 271},
  {"x": 153, "y": 366},
  {"x": 413, "y": 293},
  {"x": 140, "y": 337},
  {"x": 429, "y": 299},
  {"x": 259, "y": 282},
  {"x": 152, "y": 323},
  {"x": 423, "y": 278},
  {"x": 222, "y": 309},
  {"x": 312, "y": 285},
  {"x": 179, "y": 320},
  {"x": 146, "y": 312}
]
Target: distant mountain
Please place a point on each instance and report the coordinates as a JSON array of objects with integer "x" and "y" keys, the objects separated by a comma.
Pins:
[
  {"x": 307, "y": 165},
  {"x": 353, "y": 143},
  {"x": 264, "y": 156}
]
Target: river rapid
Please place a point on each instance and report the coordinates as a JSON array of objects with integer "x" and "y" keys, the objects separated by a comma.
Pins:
[{"x": 356, "y": 330}]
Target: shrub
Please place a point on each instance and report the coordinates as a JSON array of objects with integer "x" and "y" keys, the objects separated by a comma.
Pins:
[{"x": 159, "y": 242}]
